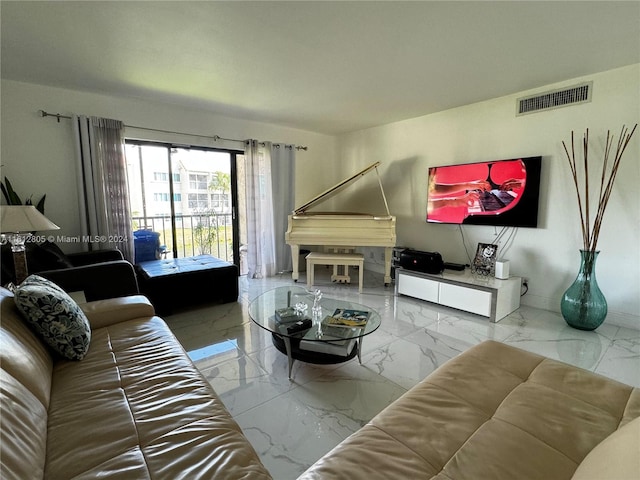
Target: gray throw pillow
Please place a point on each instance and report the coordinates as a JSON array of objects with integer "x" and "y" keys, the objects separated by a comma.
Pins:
[{"x": 54, "y": 316}]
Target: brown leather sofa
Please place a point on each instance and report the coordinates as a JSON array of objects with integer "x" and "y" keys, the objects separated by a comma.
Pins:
[
  {"x": 135, "y": 407},
  {"x": 496, "y": 412}
]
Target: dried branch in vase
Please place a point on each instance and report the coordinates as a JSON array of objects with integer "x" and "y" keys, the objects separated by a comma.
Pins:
[{"x": 590, "y": 233}]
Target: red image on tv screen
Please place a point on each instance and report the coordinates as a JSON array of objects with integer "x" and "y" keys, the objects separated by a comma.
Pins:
[{"x": 458, "y": 193}]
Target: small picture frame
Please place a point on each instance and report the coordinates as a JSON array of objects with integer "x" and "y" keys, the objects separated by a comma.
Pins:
[{"x": 484, "y": 262}]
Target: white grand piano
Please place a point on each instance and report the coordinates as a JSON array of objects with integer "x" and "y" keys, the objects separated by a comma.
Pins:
[{"x": 338, "y": 229}]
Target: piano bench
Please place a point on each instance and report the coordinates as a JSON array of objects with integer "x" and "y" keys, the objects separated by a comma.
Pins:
[
  {"x": 335, "y": 259},
  {"x": 337, "y": 277}
]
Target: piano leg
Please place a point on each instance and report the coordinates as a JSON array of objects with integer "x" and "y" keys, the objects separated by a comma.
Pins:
[
  {"x": 387, "y": 265},
  {"x": 295, "y": 256}
]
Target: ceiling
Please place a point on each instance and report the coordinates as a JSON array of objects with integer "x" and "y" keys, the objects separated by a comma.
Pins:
[{"x": 328, "y": 67}]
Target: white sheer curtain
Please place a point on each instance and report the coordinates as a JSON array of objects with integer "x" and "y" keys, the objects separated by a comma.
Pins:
[
  {"x": 261, "y": 256},
  {"x": 283, "y": 182},
  {"x": 103, "y": 190}
]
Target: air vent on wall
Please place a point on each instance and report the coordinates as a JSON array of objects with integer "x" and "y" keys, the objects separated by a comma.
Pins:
[{"x": 555, "y": 99}]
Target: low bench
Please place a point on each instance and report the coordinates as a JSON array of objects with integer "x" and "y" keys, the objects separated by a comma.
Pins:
[
  {"x": 181, "y": 282},
  {"x": 336, "y": 259}
]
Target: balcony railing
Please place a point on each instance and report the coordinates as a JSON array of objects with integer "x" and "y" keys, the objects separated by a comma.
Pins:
[{"x": 197, "y": 234}]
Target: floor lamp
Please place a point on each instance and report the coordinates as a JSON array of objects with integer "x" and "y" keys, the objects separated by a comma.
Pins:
[{"x": 16, "y": 224}]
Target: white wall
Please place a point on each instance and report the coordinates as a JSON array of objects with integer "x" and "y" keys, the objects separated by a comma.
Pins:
[
  {"x": 547, "y": 256},
  {"x": 38, "y": 153}
]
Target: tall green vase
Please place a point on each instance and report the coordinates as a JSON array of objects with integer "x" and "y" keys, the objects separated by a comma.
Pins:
[{"x": 583, "y": 305}]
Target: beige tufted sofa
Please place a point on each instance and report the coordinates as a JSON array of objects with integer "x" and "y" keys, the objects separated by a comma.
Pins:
[
  {"x": 497, "y": 413},
  {"x": 134, "y": 408}
]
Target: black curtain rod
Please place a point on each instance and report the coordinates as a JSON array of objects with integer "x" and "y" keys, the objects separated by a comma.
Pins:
[{"x": 215, "y": 138}]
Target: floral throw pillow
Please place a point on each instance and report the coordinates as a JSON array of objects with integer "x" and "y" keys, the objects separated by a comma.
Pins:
[
  {"x": 38, "y": 280},
  {"x": 54, "y": 316}
]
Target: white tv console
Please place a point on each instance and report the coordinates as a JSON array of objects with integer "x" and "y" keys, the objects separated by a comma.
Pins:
[{"x": 482, "y": 295}]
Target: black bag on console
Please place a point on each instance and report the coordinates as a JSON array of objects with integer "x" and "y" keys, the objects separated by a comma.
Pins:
[{"x": 425, "y": 262}]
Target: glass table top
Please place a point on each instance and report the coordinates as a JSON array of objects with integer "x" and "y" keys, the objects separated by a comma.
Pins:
[{"x": 262, "y": 311}]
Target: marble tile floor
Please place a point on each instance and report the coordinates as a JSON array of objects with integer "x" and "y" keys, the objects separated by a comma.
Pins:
[{"x": 292, "y": 423}]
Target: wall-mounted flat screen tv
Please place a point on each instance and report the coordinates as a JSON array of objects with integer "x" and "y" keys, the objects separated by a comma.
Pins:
[{"x": 500, "y": 192}]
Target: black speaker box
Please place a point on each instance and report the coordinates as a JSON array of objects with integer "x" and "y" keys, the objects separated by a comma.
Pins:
[{"x": 425, "y": 262}]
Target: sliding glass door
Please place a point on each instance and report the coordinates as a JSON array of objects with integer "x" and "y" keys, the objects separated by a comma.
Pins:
[{"x": 187, "y": 196}]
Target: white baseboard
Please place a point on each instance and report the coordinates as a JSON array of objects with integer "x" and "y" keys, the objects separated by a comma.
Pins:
[{"x": 618, "y": 319}]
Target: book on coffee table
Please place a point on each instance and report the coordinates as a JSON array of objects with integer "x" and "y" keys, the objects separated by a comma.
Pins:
[
  {"x": 336, "y": 341},
  {"x": 344, "y": 317}
]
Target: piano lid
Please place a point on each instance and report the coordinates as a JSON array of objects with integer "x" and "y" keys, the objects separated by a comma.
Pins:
[{"x": 338, "y": 188}]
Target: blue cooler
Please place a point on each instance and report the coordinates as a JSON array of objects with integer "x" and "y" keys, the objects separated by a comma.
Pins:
[{"x": 146, "y": 245}]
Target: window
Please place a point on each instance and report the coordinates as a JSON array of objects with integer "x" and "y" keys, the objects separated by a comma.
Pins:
[
  {"x": 198, "y": 201},
  {"x": 219, "y": 202},
  {"x": 170, "y": 192},
  {"x": 198, "y": 182},
  {"x": 160, "y": 197}
]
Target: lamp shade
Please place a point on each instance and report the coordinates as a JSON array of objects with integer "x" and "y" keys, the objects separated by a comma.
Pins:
[{"x": 23, "y": 218}]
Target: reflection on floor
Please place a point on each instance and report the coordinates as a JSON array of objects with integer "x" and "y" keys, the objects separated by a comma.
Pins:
[{"x": 293, "y": 423}]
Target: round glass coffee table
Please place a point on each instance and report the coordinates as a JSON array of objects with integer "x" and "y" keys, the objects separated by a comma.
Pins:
[{"x": 303, "y": 332}]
